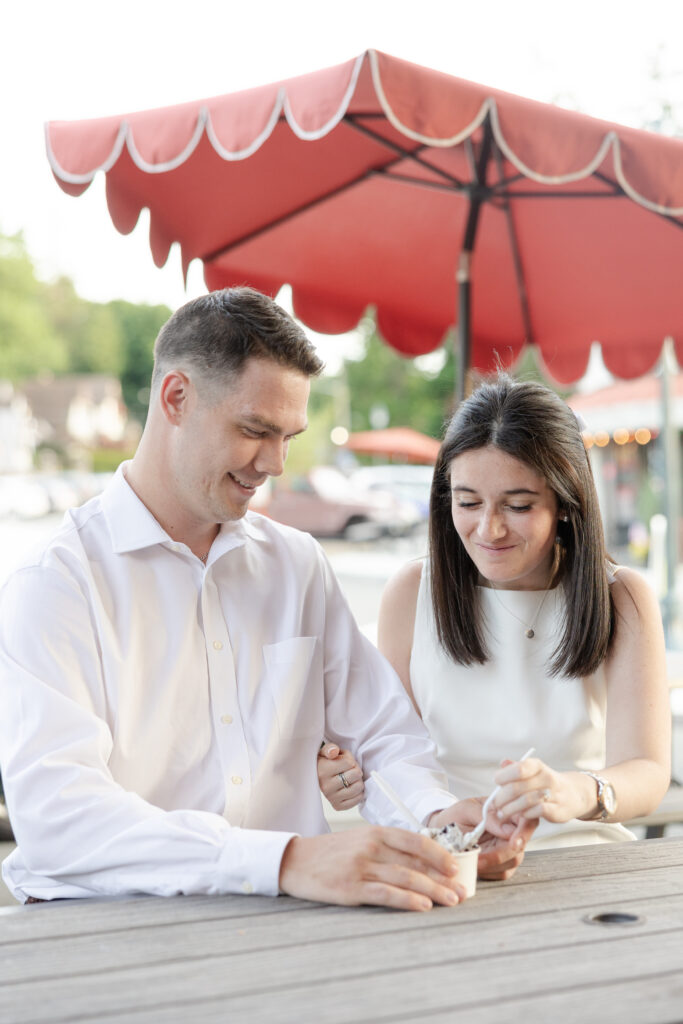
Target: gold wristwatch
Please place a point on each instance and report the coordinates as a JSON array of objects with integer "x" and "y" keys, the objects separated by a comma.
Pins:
[{"x": 607, "y": 799}]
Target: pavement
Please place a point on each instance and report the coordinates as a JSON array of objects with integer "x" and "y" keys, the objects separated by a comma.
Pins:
[{"x": 6, "y": 900}]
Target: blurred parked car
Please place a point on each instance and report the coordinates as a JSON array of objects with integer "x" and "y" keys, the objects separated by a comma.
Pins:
[
  {"x": 406, "y": 481},
  {"x": 23, "y": 496},
  {"x": 328, "y": 504},
  {"x": 34, "y": 495},
  {"x": 61, "y": 492}
]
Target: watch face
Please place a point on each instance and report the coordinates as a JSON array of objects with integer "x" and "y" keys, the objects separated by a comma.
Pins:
[{"x": 609, "y": 799}]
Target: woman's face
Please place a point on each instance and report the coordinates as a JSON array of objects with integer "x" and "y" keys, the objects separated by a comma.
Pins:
[{"x": 506, "y": 517}]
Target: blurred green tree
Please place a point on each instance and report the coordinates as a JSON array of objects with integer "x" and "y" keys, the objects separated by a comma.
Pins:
[
  {"x": 29, "y": 341},
  {"x": 89, "y": 330},
  {"x": 387, "y": 389},
  {"x": 139, "y": 326},
  {"x": 49, "y": 328}
]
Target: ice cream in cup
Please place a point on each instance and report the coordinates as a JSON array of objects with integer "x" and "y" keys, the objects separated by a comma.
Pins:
[
  {"x": 462, "y": 845},
  {"x": 466, "y": 856}
]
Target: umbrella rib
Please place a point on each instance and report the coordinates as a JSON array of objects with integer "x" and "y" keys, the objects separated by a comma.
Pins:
[
  {"x": 501, "y": 188},
  {"x": 617, "y": 187},
  {"x": 557, "y": 195},
  {"x": 351, "y": 119},
  {"x": 439, "y": 186},
  {"x": 277, "y": 221}
]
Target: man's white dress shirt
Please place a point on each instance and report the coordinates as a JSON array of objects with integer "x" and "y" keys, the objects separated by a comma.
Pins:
[{"x": 160, "y": 720}]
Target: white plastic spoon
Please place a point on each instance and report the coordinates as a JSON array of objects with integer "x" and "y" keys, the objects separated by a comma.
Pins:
[
  {"x": 396, "y": 801},
  {"x": 470, "y": 838}
]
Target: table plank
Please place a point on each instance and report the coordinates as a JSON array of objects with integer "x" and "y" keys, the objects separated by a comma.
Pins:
[
  {"x": 601, "y": 859},
  {"x": 92, "y": 916},
  {"x": 653, "y": 1000},
  {"x": 48, "y": 960}
]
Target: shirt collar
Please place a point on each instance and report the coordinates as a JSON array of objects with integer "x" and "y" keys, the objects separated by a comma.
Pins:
[{"x": 132, "y": 526}]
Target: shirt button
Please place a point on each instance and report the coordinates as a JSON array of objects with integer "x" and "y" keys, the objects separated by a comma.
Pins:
[
  {"x": 226, "y": 719},
  {"x": 247, "y": 887},
  {"x": 237, "y": 780},
  {"x": 217, "y": 645}
]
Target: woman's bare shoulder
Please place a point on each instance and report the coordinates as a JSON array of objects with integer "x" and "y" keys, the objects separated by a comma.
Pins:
[
  {"x": 399, "y": 600},
  {"x": 626, "y": 580},
  {"x": 405, "y": 583},
  {"x": 632, "y": 594}
]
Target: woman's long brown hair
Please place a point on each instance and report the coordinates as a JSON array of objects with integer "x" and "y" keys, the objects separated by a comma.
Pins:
[{"x": 530, "y": 422}]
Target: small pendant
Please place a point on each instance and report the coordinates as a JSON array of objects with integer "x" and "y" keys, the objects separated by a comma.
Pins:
[{"x": 529, "y": 633}]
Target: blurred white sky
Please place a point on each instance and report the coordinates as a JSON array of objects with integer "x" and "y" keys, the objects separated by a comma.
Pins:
[{"x": 79, "y": 58}]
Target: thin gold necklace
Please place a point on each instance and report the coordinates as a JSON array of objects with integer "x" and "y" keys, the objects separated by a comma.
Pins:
[{"x": 529, "y": 631}]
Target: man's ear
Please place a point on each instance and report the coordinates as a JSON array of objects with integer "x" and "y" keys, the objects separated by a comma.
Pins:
[{"x": 175, "y": 396}]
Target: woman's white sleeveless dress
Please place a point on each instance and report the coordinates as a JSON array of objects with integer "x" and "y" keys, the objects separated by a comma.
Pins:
[{"x": 479, "y": 714}]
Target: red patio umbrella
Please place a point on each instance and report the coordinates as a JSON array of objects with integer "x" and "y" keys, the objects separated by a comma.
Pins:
[
  {"x": 380, "y": 182},
  {"x": 402, "y": 443}
]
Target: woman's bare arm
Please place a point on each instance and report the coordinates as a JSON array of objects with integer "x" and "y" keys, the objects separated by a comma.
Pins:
[{"x": 396, "y": 623}]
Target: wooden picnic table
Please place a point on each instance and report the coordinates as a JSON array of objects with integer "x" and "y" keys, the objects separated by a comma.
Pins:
[{"x": 529, "y": 950}]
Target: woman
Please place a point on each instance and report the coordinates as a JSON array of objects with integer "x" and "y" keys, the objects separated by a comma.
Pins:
[{"x": 520, "y": 631}]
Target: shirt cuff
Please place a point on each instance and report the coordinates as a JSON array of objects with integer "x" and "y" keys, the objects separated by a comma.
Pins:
[
  {"x": 430, "y": 803},
  {"x": 380, "y": 810},
  {"x": 250, "y": 861}
]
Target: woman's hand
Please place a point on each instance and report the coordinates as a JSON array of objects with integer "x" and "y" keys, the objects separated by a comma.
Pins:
[
  {"x": 530, "y": 789},
  {"x": 501, "y": 847},
  {"x": 336, "y": 767}
]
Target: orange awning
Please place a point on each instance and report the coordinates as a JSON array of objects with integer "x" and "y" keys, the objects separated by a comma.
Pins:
[{"x": 399, "y": 443}]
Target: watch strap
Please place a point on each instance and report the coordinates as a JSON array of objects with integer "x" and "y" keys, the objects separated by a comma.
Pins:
[{"x": 601, "y": 784}]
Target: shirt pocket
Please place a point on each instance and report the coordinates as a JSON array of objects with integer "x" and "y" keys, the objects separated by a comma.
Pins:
[{"x": 295, "y": 682}]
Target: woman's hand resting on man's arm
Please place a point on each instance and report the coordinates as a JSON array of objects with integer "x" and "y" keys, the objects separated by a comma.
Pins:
[{"x": 332, "y": 763}]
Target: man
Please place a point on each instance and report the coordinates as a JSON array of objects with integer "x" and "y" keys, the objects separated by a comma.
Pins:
[{"x": 170, "y": 662}]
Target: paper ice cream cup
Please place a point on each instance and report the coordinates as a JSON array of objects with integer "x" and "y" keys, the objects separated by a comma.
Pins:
[{"x": 467, "y": 869}]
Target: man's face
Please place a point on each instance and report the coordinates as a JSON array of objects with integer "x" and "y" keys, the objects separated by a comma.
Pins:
[{"x": 222, "y": 452}]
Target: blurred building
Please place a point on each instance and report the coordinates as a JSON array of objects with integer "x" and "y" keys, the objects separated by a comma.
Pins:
[
  {"x": 625, "y": 435},
  {"x": 77, "y": 411},
  {"x": 18, "y": 431}
]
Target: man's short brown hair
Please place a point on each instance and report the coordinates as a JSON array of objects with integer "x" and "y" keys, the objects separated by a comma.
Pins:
[{"x": 216, "y": 334}]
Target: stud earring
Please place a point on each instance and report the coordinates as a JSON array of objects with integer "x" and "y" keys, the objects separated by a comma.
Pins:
[{"x": 562, "y": 519}]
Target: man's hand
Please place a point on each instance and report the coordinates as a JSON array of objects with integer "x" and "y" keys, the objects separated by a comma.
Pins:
[
  {"x": 387, "y": 867},
  {"x": 501, "y": 847}
]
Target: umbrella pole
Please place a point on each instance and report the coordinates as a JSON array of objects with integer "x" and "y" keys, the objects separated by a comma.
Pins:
[
  {"x": 478, "y": 193},
  {"x": 672, "y": 476},
  {"x": 464, "y": 336}
]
